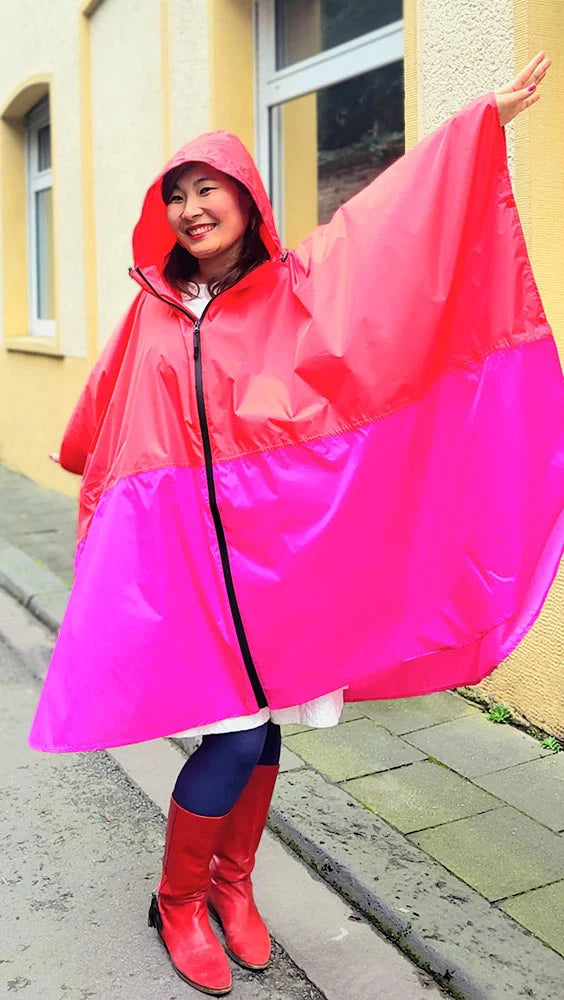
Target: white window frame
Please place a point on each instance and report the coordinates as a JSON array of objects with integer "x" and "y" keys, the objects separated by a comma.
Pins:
[
  {"x": 37, "y": 180},
  {"x": 274, "y": 87}
]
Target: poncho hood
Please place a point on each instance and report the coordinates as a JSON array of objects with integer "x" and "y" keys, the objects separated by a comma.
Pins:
[{"x": 153, "y": 238}]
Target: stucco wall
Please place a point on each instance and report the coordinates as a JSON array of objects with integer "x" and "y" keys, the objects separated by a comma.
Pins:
[
  {"x": 189, "y": 33},
  {"x": 127, "y": 139},
  {"x": 465, "y": 48},
  {"x": 131, "y": 94}
]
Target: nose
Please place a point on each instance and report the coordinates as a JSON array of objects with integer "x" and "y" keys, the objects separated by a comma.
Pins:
[{"x": 191, "y": 209}]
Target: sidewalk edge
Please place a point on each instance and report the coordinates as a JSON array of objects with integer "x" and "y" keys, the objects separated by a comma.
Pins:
[{"x": 467, "y": 944}]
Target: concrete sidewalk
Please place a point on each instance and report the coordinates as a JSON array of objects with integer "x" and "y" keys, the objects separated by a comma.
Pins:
[{"x": 445, "y": 829}]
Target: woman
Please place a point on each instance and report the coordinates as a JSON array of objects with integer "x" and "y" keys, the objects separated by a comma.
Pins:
[{"x": 301, "y": 485}]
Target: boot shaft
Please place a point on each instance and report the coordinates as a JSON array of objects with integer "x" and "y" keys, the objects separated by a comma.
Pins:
[
  {"x": 234, "y": 857},
  {"x": 190, "y": 843}
]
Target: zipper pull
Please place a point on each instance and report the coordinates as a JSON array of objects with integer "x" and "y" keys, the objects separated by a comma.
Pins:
[{"x": 196, "y": 340}]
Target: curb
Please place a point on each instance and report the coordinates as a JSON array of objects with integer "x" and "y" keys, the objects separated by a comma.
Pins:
[
  {"x": 473, "y": 949},
  {"x": 35, "y": 586}
]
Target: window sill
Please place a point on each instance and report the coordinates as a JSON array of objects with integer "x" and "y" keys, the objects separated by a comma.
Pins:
[{"x": 33, "y": 345}]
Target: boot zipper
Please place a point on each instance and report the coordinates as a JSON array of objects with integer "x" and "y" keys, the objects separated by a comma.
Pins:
[{"x": 220, "y": 533}]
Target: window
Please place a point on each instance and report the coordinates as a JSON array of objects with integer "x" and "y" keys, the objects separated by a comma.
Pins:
[
  {"x": 330, "y": 108},
  {"x": 40, "y": 221}
]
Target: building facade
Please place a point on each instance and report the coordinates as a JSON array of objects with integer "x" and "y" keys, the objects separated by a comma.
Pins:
[{"x": 94, "y": 98}]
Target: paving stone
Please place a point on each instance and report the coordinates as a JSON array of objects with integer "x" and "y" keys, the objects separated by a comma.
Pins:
[
  {"x": 289, "y": 761},
  {"x": 351, "y": 711},
  {"x": 291, "y": 729},
  {"x": 22, "y": 576},
  {"x": 404, "y": 715},
  {"x": 499, "y": 853},
  {"x": 352, "y": 749},
  {"x": 536, "y": 788},
  {"x": 420, "y": 795},
  {"x": 32, "y": 501},
  {"x": 542, "y": 912},
  {"x": 475, "y": 745},
  {"x": 38, "y": 520}
]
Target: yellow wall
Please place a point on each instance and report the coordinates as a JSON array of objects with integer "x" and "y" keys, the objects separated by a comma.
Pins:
[
  {"x": 531, "y": 681},
  {"x": 38, "y": 386},
  {"x": 299, "y": 158}
]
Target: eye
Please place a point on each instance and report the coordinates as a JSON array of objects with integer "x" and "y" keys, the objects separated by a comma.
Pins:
[
  {"x": 174, "y": 197},
  {"x": 204, "y": 190}
]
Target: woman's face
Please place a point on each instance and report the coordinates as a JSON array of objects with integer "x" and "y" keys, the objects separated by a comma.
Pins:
[{"x": 208, "y": 213}]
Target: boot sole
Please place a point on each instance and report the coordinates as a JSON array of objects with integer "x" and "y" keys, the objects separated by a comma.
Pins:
[
  {"x": 155, "y": 920},
  {"x": 197, "y": 986},
  {"x": 236, "y": 958}
]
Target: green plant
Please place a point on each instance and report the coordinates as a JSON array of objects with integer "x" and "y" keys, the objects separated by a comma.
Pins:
[
  {"x": 551, "y": 743},
  {"x": 499, "y": 713}
]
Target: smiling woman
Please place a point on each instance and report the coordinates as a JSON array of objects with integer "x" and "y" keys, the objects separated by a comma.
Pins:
[
  {"x": 341, "y": 479},
  {"x": 215, "y": 222}
]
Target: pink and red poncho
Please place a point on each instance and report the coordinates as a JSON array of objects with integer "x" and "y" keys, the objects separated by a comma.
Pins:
[{"x": 349, "y": 473}]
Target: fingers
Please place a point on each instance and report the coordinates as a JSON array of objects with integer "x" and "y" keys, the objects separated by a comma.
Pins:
[
  {"x": 531, "y": 100},
  {"x": 518, "y": 98},
  {"x": 534, "y": 72},
  {"x": 529, "y": 71},
  {"x": 544, "y": 66}
]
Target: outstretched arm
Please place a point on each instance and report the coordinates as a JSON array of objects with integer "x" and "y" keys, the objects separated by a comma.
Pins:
[{"x": 432, "y": 171}]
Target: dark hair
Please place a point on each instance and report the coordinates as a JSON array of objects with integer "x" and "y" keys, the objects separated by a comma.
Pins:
[{"x": 181, "y": 266}]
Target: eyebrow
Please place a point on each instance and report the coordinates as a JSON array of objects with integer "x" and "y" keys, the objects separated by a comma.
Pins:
[{"x": 199, "y": 181}]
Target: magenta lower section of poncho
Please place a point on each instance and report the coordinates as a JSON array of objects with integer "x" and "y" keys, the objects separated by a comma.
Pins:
[{"x": 405, "y": 556}]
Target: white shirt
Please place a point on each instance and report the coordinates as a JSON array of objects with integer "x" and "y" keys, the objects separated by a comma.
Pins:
[{"x": 197, "y": 305}]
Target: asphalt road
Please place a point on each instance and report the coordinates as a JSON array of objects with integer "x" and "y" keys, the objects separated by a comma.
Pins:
[{"x": 81, "y": 840}]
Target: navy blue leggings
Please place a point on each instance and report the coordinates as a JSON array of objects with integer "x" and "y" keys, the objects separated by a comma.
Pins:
[{"x": 213, "y": 778}]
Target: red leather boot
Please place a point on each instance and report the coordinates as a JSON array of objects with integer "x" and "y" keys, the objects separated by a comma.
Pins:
[
  {"x": 230, "y": 894},
  {"x": 178, "y": 909}
]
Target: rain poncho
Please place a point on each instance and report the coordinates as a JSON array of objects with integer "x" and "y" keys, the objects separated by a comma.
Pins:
[{"x": 348, "y": 474}]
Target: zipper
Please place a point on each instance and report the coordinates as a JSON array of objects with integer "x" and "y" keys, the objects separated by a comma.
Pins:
[{"x": 220, "y": 533}]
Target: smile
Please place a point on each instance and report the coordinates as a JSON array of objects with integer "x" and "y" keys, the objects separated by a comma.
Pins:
[{"x": 195, "y": 231}]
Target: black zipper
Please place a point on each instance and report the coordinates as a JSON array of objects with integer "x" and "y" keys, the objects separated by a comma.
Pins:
[{"x": 220, "y": 533}]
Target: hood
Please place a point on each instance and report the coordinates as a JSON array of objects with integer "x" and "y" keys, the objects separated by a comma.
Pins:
[{"x": 153, "y": 238}]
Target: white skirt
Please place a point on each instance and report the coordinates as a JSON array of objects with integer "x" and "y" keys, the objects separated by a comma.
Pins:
[{"x": 320, "y": 713}]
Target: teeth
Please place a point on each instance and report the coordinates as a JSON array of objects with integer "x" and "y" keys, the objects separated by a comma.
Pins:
[{"x": 196, "y": 230}]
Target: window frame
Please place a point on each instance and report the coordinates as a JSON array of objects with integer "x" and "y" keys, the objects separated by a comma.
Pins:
[
  {"x": 37, "y": 118},
  {"x": 275, "y": 87}
]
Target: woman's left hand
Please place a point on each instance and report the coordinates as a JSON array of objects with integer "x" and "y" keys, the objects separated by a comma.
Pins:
[{"x": 522, "y": 92}]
